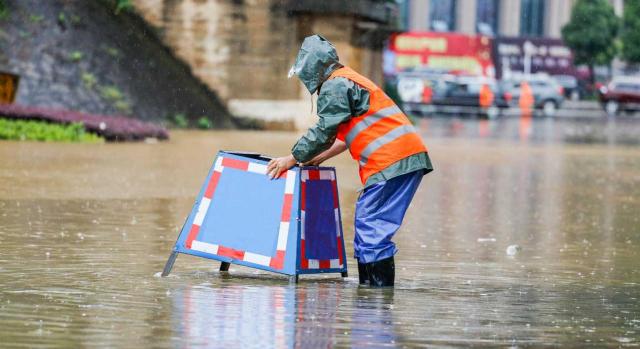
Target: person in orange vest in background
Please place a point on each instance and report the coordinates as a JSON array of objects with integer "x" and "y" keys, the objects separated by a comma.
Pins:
[
  {"x": 486, "y": 97},
  {"x": 355, "y": 114},
  {"x": 427, "y": 93},
  {"x": 526, "y": 98}
]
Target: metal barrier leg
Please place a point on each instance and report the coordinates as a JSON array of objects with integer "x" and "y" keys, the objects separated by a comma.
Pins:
[
  {"x": 169, "y": 265},
  {"x": 224, "y": 266},
  {"x": 293, "y": 279},
  {"x": 344, "y": 274}
]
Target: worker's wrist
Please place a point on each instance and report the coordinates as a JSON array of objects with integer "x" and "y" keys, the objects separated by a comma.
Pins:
[{"x": 291, "y": 160}]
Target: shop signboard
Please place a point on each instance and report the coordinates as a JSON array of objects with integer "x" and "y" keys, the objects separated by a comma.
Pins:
[
  {"x": 446, "y": 51},
  {"x": 537, "y": 55}
]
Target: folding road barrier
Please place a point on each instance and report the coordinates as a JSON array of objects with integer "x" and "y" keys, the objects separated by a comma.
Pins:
[{"x": 289, "y": 225}]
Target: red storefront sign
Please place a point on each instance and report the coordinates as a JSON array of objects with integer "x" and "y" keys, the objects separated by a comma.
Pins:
[{"x": 447, "y": 51}]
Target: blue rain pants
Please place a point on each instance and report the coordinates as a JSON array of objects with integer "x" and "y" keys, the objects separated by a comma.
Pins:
[{"x": 379, "y": 213}]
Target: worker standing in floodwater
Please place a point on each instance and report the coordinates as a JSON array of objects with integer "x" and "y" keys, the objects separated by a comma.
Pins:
[{"x": 356, "y": 114}]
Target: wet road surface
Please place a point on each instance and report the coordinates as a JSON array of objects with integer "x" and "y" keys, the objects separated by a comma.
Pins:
[{"x": 86, "y": 229}]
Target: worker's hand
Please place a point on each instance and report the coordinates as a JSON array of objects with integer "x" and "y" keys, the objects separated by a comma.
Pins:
[{"x": 278, "y": 165}]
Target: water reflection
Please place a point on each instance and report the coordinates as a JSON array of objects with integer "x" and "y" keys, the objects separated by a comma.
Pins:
[
  {"x": 84, "y": 229},
  {"x": 282, "y": 317},
  {"x": 613, "y": 131}
]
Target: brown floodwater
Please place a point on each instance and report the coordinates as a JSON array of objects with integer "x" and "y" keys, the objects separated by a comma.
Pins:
[{"x": 86, "y": 229}]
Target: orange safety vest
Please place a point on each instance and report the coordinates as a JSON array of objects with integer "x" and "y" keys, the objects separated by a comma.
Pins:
[
  {"x": 486, "y": 96},
  {"x": 526, "y": 100},
  {"x": 381, "y": 136}
]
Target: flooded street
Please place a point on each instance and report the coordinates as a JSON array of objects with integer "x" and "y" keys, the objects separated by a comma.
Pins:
[{"x": 86, "y": 229}]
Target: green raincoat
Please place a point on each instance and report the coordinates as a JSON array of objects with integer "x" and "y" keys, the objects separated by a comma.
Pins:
[{"x": 338, "y": 100}]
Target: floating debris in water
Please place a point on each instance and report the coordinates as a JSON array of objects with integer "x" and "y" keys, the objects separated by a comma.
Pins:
[
  {"x": 512, "y": 250},
  {"x": 486, "y": 239}
]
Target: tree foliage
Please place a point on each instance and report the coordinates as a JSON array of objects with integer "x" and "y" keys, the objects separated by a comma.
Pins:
[
  {"x": 591, "y": 32},
  {"x": 630, "y": 35}
]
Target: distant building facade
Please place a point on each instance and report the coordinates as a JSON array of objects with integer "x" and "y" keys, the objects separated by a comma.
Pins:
[{"x": 530, "y": 18}]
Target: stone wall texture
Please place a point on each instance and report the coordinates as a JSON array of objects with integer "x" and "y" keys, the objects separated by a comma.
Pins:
[
  {"x": 80, "y": 55},
  {"x": 243, "y": 49}
]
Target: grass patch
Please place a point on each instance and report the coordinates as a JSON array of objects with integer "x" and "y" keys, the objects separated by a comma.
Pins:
[{"x": 45, "y": 132}]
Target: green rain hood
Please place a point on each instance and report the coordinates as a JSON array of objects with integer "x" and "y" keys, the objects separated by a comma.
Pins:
[{"x": 316, "y": 60}]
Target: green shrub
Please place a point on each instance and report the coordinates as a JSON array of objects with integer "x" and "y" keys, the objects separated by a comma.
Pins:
[
  {"x": 44, "y": 131},
  {"x": 122, "y": 106},
  {"x": 89, "y": 80},
  {"x": 180, "y": 121},
  {"x": 76, "y": 56},
  {"x": 204, "y": 123},
  {"x": 123, "y": 5},
  {"x": 112, "y": 51},
  {"x": 111, "y": 93}
]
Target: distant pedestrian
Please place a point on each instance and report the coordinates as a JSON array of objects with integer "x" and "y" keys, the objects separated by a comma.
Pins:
[
  {"x": 486, "y": 98},
  {"x": 356, "y": 114},
  {"x": 526, "y": 100}
]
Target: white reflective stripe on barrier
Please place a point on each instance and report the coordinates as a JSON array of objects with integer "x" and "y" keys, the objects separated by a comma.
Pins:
[
  {"x": 204, "y": 247},
  {"x": 302, "y": 225},
  {"x": 290, "y": 182},
  {"x": 202, "y": 211},
  {"x": 218, "y": 166},
  {"x": 314, "y": 264},
  {"x": 334, "y": 263},
  {"x": 257, "y": 168},
  {"x": 336, "y": 213},
  {"x": 256, "y": 258},
  {"x": 282, "y": 236}
]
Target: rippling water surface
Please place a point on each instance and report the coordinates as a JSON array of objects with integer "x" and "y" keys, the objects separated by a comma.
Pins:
[{"x": 86, "y": 229}]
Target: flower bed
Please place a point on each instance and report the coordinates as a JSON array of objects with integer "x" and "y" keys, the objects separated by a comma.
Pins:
[{"x": 111, "y": 128}]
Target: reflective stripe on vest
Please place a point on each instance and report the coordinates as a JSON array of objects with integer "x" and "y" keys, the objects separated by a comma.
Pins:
[
  {"x": 384, "y": 139},
  {"x": 370, "y": 120}
]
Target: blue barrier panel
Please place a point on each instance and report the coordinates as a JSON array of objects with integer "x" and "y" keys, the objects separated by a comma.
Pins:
[{"x": 289, "y": 225}]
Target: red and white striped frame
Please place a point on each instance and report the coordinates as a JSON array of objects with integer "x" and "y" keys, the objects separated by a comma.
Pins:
[
  {"x": 311, "y": 175},
  {"x": 275, "y": 262}
]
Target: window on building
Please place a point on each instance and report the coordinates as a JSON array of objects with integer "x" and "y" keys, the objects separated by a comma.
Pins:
[
  {"x": 487, "y": 17},
  {"x": 405, "y": 20},
  {"x": 532, "y": 17},
  {"x": 443, "y": 15}
]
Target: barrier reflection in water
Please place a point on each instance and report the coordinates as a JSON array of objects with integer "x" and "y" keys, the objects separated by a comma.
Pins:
[{"x": 281, "y": 317}]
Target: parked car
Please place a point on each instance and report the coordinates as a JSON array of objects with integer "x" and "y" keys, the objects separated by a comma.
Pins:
[
  {"x": 446, "y": 93},
  {"x": 547, "y": 93},
  {"x": 574, "y": 89},
  {"x": 621, "y": 94}
]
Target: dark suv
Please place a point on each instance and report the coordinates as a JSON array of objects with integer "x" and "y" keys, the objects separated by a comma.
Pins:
[{"x": 621, "y": 94}]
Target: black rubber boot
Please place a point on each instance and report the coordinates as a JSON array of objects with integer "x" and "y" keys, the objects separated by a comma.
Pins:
[
  {"x": 381, "y": 273},
  {"x": 362, "y": 273}
]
